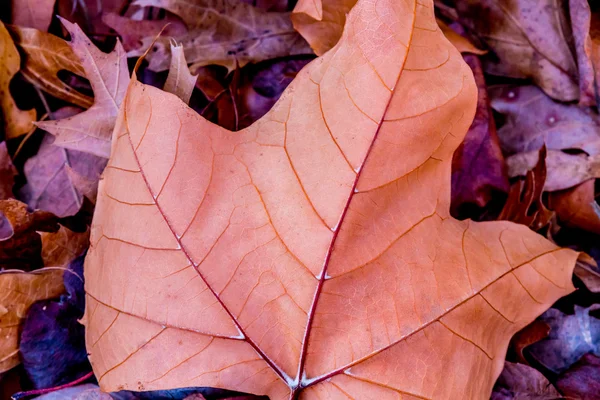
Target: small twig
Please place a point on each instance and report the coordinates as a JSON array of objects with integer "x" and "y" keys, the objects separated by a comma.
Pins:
[{"x": 37, "y": 392}]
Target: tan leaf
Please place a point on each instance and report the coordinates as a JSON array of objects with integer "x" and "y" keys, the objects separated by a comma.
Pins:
[
  {"x": 108, "y": 75},
  {"x": 33, "y": 13},
  {"x": 45, "y": 56},
  {"x": 224, "y": 32},
  {"x": 180, "y": 80},
  {"x": 61, "y": 247},
  {"x": 18, "y": 291},
  {"x": 16, "y": 122},
  {"x": 577, "y": 207},
  {"x": 312, "y": 254}
]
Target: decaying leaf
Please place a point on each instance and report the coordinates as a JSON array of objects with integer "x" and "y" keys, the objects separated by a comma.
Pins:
[
  {"x": 18, "y": 291},
  {"x": 58, "y": 178},
  {"x": 90, "y": 131},
  {"x": 312, "y": 254},
  {"x": 224, "y": 32},
  {"x": 582, "y": 380},
  {"x": 571, "y": 336},
  {"x": 7, "y": 173},
  {"x": 532, "y": 119},
  {"x": 20, "y": 242},
  {"x": 528, "y": 40},
  {"x": 33, "y": 13},
  {"x": 587, "y": 270},
  {"x": 478, "y": 170},
  {"x": 16, "y": 121},
  {"x": 461, "y": 43},
  {"x": 321, "y": 24},
  {"x": 180, "y": 80},
  {"x": 45, "y": 56},
  {"x": 532, "y": 333},
  {"x": 586, "y": 50},
  {"x": 521, "y": 382}
]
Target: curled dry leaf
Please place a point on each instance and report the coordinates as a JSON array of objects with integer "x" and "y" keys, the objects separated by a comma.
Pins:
[
  {"x": 32, "y": 13},
  {"x": 108, "y": 75},
  {"x": 18, "y": 291},
  {"x": 312, "y": 254},
  {"x": 45, "y": 56},
  {"x": 521, "y": 382},
  {"x": 7, "y": 173},
  {"x": 461, "y": 43},
  {"x": 16, "y": 121},
  {"x": 532, "y": 333},
  {"x": 528, "y": 40},
  {"x": 224, "y": 32},
  {"x": 180, "y": 80},
  {"x": 586, "y": 50},
  {"x": 20, "y": 242},
  {"x": 587, "y": 270}
]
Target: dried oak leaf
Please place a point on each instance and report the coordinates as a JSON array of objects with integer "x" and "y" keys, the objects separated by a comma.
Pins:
[
  {"x": 45, "y": 56},
  {"x": 528, "y": 40},
  {"x": 312, "y": 254},
  {"x": 90, "y": 131},
  {"x": 32, "y": 13},
  {"x": 224, "y": 32},
  {"x": 63, "y": 246},
  {"x": 17, "y": 122},
  {"x": 18, "y": 291},
  {"x": 521, "y": 382},
  {"x": 577, "y": 207},
  {"x": 58, "y": 178},
  {"x": 20, "y": 241}
]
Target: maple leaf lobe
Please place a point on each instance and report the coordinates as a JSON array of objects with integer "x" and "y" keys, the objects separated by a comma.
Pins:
[{"x": 312, "y": 253}]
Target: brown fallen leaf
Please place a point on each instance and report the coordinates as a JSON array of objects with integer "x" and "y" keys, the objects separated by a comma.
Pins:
[
  {"x": 132, "y": 32},
  {"x": 59, "y": 178},
  {"x": 321, "y": 24},
  {"x": 20, "y": 242},
  {"x": 33, "y": 13},
  {"x": 18, "y": 291},
  {"x": 529, "y": 41},
  {"x": 571, "y": 336},
  {"x": 532, "y": 119},
  {"x": 16, "y": 121},
  {"x": 45, "y": 56},
  {"x": 478, "y": 170},
  {"x": 582, "y": 380},
  {"x": 312, "y": 254},
  {"x": 577, "y": 207},
  {"x": 108, "y": 75},
  {"x": 521, "y": 382},
  {"x": 7, "y": 173},
  {"x": 180, "y": 80},
  {"x": 61, "y": 247},
  {"x": 223, "y": 32}
]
